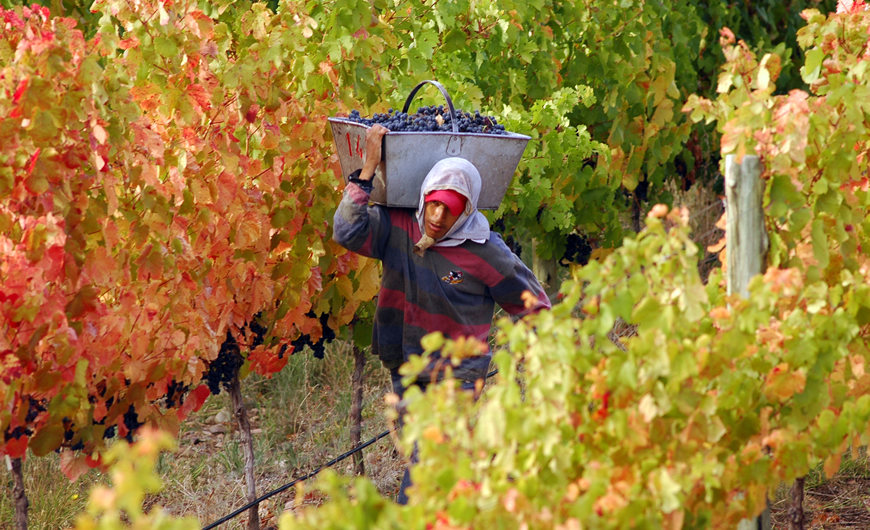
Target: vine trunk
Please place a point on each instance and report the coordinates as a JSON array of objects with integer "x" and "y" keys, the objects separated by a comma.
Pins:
[{"x": 247, "y": 442}]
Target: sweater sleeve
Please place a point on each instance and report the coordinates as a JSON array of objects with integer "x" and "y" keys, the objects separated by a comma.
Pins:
[
  {"x": 359, "y": 227},
  {"x": 517, "y": 279}
]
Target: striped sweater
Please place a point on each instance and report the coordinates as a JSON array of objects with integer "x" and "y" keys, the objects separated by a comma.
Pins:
[{"x": 449, "y": 289}]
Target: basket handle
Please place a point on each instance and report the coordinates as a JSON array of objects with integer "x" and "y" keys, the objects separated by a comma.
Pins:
[{"x": 440, "y": 87}]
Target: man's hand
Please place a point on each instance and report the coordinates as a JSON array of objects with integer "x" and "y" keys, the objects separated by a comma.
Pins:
[{"x": 374, "y": 136}]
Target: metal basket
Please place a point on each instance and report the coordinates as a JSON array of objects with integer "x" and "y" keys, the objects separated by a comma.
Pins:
[{"x": 408, "y": 156}]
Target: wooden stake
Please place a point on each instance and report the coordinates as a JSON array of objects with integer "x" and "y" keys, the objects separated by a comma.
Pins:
[
  {"x": 359, "y": 363},
  {"x": 747, "y": 244},
  {"x": 18, "y": 495},
  {"x": 547, "y": 272},
  {"x": 747, "y": 241},
  {"x": 247, "y": 442}
]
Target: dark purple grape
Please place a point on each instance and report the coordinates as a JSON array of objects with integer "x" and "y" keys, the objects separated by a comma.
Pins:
[{"x": 425, "y": 120}]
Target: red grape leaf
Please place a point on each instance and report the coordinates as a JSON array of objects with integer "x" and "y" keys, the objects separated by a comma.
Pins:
[
  {"x": 194, "y": 401},
  {"x": 73, "y": 465},
  {"x": 17, "y": 448},
  {"x": 199, "y": 95}
]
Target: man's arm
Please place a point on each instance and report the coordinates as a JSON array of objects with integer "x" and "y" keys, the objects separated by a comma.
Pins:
[
  {"x": 356, "y": 226},
  {"x": 518, "y": 279},
  {"x": 374, "y": 139}
]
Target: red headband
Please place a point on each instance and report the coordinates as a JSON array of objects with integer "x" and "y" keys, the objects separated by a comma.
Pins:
[{"x": 454, "y": 200}]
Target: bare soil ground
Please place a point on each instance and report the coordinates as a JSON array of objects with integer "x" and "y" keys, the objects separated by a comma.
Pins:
[{"x": 842, "y": 501}]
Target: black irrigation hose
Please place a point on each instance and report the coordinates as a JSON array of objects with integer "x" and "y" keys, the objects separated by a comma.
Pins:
[{"x": 285, "y": 487}]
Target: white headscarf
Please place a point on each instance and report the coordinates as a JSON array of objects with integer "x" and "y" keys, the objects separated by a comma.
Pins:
[{"x": 459, "y": 175}]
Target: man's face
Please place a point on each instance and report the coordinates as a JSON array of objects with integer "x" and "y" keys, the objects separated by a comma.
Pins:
[{"x": 437, "y": 219}]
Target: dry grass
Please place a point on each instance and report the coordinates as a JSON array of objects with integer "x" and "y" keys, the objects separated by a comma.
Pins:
[
  {"x": 54, "y": 500},
  {"x": 705, "y": 209},
  {"x": 300, "y": 419}
]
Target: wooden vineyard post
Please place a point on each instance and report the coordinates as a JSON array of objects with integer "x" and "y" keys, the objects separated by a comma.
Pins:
[
  {"x": 247, "y": 442},
  {"x": 747, "y": 244},
  {"x": 547, "y": 272},
  {"x": 359, "y": 364},
  {"x": 746, "y": 238}
]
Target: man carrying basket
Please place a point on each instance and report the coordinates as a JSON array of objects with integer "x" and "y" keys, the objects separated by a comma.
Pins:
[{"x": 444, "y": 270}]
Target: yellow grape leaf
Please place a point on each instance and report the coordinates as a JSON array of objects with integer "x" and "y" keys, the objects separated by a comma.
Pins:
[
  {"x": 344, "y": 287},
  {"x": 648, "y": 408},
  {"x": 369, "y": 280},
  {"x": 200, "y": 191},
  {"x": 659, "y": 89},
  {"x": 726, "y": 81},
  {"x": 664, "y": 114},
  {"x": 600, "y": 253}
]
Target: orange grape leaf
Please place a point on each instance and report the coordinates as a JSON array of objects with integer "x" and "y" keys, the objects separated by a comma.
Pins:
[
  {"x": 226, "y": 188},
  {"x": 782, "y": 383},
  {"x": 150, "y": 263},
  {"x": 100, "y": 410},
  {"x": 716, "y": 247},
  {"x": 130, "y": 42},
  {"x": 266, "y": 362},
  {"x": 832, "y": 464}
]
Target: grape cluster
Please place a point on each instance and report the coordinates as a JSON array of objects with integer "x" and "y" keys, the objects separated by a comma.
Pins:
[
  {"x": 258, "y": 330},
  {"x": 318, "y": 347},
  {"x": 68, "y": 435},
  {"x": 577, "y": 250},
  {"x": 512, "y": 242},
  {"x": 225, "y": 367},
  {"x": 513, "y": 245},
  {"x": 131, "y": 421},
  {"x": 432, "y": 119},
  {"x": 16, "y": 433},
  {"x": 175, "y": 394},
  {"x": 34, "y": 409}
]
